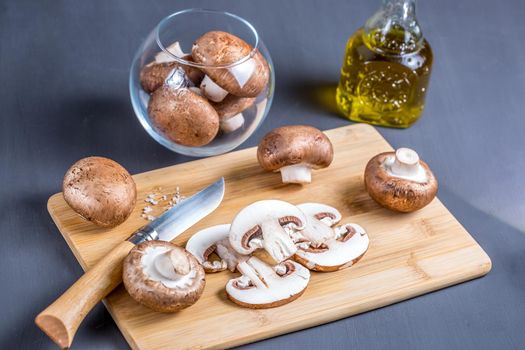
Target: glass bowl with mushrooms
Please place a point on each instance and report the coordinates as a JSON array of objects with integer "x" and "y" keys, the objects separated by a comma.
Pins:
[{"x": 202, "y": 82}]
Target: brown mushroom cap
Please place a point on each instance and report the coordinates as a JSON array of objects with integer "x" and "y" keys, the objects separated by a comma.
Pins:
[
  {"x": 153, "y": 293},
  {"x": 396, "y": 193},
  {"x": 100, "y": 190},
  {"x": 232, "y": 105},
  {"x": 183, "y": 116},
  {"x": 221, "y": 48},
  {"x": 153, "y": 75},
  {"x": 294, "y": 144}
]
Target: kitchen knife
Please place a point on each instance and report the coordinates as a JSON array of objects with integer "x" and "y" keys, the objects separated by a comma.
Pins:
[{"x": 61, "y": 319}]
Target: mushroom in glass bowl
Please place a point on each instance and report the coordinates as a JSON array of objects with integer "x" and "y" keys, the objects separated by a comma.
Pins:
[{"x": 239, "y": 85}]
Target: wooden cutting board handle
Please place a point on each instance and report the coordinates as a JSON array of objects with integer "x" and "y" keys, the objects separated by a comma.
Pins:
[{"x": 61, "y": 319}]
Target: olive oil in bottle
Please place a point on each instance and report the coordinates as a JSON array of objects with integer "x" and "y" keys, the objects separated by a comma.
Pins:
[{"x": 386, "y": 69}]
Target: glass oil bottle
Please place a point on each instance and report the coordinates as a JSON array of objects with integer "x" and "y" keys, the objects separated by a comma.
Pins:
[{"x": 386, "y": 68}]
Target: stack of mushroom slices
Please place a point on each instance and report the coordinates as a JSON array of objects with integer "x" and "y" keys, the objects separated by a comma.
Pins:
[
  {"x": 189, "y": 105},
  {"x": 295, "y": 238}
]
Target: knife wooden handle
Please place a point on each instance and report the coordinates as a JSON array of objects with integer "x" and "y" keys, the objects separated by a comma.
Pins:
[{"x": 61, "y": 319}]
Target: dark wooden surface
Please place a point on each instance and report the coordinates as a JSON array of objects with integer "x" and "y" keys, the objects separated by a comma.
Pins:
[{"x": 64, "y": 72}]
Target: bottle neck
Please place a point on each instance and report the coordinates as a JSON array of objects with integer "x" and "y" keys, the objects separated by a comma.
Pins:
[{"x": 394, "y": 28}]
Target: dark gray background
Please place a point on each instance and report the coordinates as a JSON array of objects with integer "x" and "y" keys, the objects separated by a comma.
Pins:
[{"x": 64, "y": 95}]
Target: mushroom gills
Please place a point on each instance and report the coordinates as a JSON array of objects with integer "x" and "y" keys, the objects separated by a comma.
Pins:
[
  {"x": 262, "y": 286},
  {"x": 261, "y": 225},
  {"x": 211, "y": 90},
  {"x": 320, "y": 219},
  {"x": 159, "y": 266},
  {"x": 211, "y": 240},
  {"x": 296, "y": 173},
  {"x": 349, "y": 245}
]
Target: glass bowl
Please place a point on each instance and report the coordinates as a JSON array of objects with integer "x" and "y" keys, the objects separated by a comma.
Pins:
[{"x": 185, "y": 27}]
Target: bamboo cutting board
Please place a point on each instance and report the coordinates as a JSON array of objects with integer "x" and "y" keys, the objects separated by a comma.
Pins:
[{"x": 409, "y": 254}]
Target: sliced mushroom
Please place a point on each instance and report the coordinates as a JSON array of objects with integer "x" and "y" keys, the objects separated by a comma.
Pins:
[
  {"x": 400, "y": 181},
  {"x": 329, "y": 249},
  {"x": 317, "y": 232},
  {"x": 267, "y": 224},
  {"x": 262, "y": 286},
  {"x": 294, "y": 150},
  {"x": 100, "y": 190},
  {"x": 245, "y": 79},
  {"x": 230, "y": 111},
  {"x": 214, "y": 240},
  {"x": 163, "y": 276},
  {"x": 182, "y": 115}
]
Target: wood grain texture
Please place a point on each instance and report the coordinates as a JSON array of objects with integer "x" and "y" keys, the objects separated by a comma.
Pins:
[
  {"x": 409, "y": 254},
  {"x": 61, "y": 319}
]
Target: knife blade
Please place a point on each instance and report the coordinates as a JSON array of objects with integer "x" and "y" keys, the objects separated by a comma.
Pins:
[
  {"x": 182, "y": 216},
  {"x": 61, "y": 319}
]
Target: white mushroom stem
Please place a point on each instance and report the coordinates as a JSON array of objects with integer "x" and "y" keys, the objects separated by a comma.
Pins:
[
  {"x": 211, "y": 90},
  {"x": 276, "y": 241},
  {"x": 165, "y": 57},
  {"x": 232, "y": 124},
  {"x": 264, "y": 286},
  {"x": 242, "y": 72},
  {"x": 405, "y": 164},
  {"x": 297, "y": 173},
  {"x": 168, "y": 267}
]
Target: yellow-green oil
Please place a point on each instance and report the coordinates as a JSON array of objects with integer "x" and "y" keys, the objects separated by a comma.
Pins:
[{"x": 384, "y": 78}]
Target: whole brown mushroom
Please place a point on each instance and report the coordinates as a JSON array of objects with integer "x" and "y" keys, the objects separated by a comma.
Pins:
[
  {"x": 294, "y": 150},
  {"x": 182, "y": 115},
  {"x": 100, "y": 190},
  {"x": 163, "y": 276},
  {"x": 245, "y": 79},
  {"x": 400, "y": 181},
  {"x": 230, "y": 111}
]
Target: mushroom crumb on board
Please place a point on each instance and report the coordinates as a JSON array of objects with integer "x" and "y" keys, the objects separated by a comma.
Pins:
[{"x": 158, "y": 202}]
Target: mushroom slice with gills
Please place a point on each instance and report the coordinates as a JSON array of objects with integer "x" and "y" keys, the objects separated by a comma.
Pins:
[
  {"x": 163, "y": 276},
  {"x": 267, "y": 224},
  {"x": 230, "y": 111},
  {"x": 182, "y": 115},
  {"x": 262, "y": 286},
  {"x": 294, "y": 150},
  {"x": 247, "y": 72},
  {"x": 400, "y": 181},
  {"x": 211, "y": 240},
  {"x": 320, "y": 219},
  {"x": 345, "y": 249}
]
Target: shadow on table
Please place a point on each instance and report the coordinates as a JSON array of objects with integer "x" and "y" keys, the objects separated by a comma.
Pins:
[{"x": 319, "y": 96}]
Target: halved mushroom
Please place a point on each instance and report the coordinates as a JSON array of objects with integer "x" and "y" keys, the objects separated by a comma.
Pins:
[
  {"x": 214, "y": 240},
  {"x": 268, "y": 224},
  {"x": 182, "y": 115},
  {"x": 400, "y": 181},
  {"x": 245, "y": 79},
  {"x": 347, "y": 244},
  {"x": 163, "y": 276},
  {"x": 230, "y": 111},
  {"x": 100, "y": 190},
  {"x": 294, "y": 150},
  {"x": 262, "y": 286}
]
